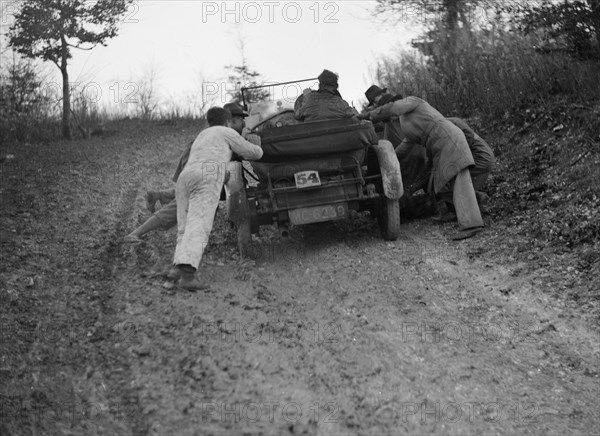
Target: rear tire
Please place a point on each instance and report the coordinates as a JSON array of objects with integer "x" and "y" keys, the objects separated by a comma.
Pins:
[
  {"x": 238, "y": 210},
  {"x": 244, "y": 237},
  {"x": 388, "y": 217}
]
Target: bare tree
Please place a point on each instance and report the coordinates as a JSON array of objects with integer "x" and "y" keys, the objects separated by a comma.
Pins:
[
  {"x": 197, "y": 101},
  {"x": 147, "y": 95},
  {"x": 242, "y": 75}
]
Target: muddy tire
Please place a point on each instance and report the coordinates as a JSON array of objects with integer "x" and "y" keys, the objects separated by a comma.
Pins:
[
  {"x": 238, "y": 211},
  {"x": 244, "y": 237},
  {"x": 388, "y": 217}
]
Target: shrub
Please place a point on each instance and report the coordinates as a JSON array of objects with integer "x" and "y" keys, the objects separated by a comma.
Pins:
[
  {"x": 26, "y": 112},
  {"x": 490, "y": 72}
]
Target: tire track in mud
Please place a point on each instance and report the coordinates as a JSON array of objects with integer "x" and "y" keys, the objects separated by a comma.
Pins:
[
  {"x": 111, "y": 382},
  {"x": 440, "y": 312},
  {"x": 114, "y": 405},
  {"x": 71, "y": 379},
  {"x": 340, "y": 332}
]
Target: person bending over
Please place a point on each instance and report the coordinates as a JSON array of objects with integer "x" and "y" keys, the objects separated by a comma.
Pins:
[{"x": 198, "y": 190}]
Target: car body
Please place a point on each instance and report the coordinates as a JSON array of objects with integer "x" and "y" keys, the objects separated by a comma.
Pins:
[{"x": 314, "y": 172}]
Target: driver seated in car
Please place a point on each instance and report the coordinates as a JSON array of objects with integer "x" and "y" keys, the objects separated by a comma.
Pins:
[{"x": 324, "y": 104}]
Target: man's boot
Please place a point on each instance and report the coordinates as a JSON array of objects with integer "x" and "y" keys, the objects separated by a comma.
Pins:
[
  {"x": 169, "y": 272},
  {"x": 188, "y": 280},
  {"x": 446, "y": 213}
]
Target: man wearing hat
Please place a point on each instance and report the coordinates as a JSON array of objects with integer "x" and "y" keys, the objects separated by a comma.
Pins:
[
  {"x": 380, "y": 98},
  {"x": 166, "y": 216},
  {"x": 324, "y": 104},
  {"x": 198, "y": 189},
  {"x": 374, "y": 94},
  {"x": 413, "y": 164},
  {"x": 448, "y": 150}
]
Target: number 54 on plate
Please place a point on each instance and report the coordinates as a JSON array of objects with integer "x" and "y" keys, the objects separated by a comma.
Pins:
[{"x": 305, "y": 179}]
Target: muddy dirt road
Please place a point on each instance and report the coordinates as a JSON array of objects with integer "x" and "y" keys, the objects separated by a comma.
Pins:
[{"x": 333, "y": 331}]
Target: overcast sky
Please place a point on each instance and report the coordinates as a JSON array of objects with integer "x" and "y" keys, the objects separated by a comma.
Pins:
[{"x": 189, "y": 42}]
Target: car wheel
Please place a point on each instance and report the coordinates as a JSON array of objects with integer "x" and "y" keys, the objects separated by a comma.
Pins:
[
  {"x": 238, "y": 210},
  {"x": 388, "y": 217}
]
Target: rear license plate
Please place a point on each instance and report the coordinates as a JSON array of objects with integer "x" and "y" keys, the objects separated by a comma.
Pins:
[
  {"x": 317, "y": 214},
  {"x": 305, "y": 179}
]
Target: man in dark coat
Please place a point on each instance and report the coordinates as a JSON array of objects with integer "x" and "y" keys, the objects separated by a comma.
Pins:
[
  {"x": 447, "y": 149},
  {"x": 414, "y": 164},
  {"x": 482, "y": 155},
  {"x": 324, "y": 104}
]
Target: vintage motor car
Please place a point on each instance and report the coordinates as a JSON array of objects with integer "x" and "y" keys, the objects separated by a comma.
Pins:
[{"x": 313, "y": 172}]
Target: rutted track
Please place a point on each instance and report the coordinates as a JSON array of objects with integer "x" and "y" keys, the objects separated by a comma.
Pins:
[
  {"x": 332, "y": 332},
  {"x": 339, "y": 332}
]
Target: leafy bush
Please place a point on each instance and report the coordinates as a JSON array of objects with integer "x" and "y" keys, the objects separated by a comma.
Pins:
[{"x": 570, "y": 26}]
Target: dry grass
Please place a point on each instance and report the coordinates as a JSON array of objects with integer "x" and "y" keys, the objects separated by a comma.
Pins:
[{"x": 490, "y": 76}]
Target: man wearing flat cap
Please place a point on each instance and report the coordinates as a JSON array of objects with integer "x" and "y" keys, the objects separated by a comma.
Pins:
[
  {"x": 324, "y": 104},
  {"x": 198, "y": 189},
  {"x": 166, "y": 216}
]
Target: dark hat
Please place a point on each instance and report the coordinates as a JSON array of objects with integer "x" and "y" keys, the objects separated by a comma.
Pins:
[
  {"x": 386, "y": 98},
  {"x": 373, "y": 92},
  {"x": 236, "y": 110},
  {"x": 328, "y": 78}
]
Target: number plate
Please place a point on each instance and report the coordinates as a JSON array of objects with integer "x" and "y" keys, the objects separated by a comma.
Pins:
[
  {"x": 317, "y": 214},
  {"x": 305, "y": 179}
]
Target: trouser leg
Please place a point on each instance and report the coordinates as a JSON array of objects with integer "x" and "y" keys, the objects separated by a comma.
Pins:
[
  {"x": 150, "y": 224},
  {"x": 167, "y": 214},
  {"x": 201, "y": 199},
  {"x": 181, "y": 200},
  {"x": 465, "y": 202},
  {"x": 166, "y": 196},
  {"x": 478, "y": 180}
]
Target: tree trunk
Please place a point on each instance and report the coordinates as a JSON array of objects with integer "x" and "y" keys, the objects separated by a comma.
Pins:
[{"x": 66, "y": 115}]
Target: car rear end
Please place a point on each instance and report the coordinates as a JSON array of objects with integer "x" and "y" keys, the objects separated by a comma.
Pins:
[{"x": 312, "y": 172}]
